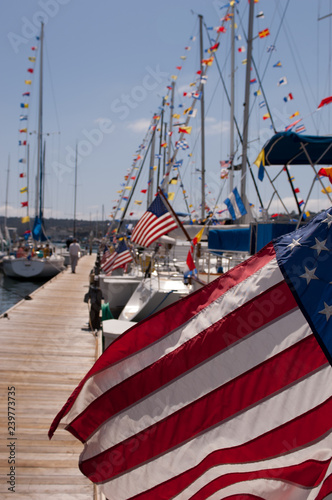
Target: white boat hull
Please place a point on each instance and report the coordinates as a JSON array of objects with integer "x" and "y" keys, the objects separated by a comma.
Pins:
[
  {"x": 152, "y": 295},
  {"x": 117, "y": 290},
  {"x": 33, "y": 268}
]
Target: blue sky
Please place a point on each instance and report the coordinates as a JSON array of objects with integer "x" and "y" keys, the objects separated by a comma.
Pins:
[{"x": 107, "y": 66}]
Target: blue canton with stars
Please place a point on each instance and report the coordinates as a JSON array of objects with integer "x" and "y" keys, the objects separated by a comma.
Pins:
[{"x": 305, "y": 259}]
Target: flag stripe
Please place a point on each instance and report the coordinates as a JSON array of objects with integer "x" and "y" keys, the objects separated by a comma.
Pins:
[
  {"x": 247, "y": 425},
  {"x": 326, "y": 488},
  {"x": 159, "y": 225},
  {"x": 240, "y": 393},
  {"x": 147, "y": 218},
  {"x": 205, "y": 345},
  {"x": 166, "y": 227},
  {"x": 261, "y": 448},
  {"x": 307, "y": 474},
  {"x": 170, "y": 320}
]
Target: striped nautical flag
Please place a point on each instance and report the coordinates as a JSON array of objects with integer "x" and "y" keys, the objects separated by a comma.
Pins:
[
  {"x": 118, "y": 258},
  {"x": 224, "y": 394},
  {"x": 235, "y": 205},
  {"x": 155, "y": 222}
]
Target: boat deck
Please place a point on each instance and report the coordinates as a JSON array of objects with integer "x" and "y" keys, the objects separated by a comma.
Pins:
[{"x": 46, "y": 349}]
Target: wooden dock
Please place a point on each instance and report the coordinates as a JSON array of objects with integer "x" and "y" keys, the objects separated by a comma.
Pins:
[{"x": 45, "y": 350}]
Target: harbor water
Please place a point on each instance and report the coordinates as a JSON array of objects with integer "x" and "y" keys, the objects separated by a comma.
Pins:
[{"x": 12, "y": 291}]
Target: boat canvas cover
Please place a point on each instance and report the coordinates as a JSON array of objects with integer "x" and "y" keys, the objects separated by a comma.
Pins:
[
  {"x": 287, "y": 148},
  {"x": 236, "y": 240}
]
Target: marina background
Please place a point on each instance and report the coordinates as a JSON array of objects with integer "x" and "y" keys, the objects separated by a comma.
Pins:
[{"x": 97, "y": 60}]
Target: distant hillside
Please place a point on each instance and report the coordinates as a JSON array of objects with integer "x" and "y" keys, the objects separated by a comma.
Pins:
[{"x": 60, "y": 229}]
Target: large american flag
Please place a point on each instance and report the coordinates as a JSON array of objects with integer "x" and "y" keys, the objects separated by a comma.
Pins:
[
  {"x": 118, "y": 258},
  {"x": 226, "y": 394},
  {"x": 155, "y": 222}
]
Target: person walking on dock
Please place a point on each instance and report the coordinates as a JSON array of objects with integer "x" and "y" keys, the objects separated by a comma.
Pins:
[{"x": 74, "y": 251}]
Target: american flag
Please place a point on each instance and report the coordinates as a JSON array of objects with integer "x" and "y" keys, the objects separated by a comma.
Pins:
[
  {"x": 155, "y": 222},
  {"x": 118, "y": 258},
  {"x": 106, "y": 255},
  {"x": 224, "y": 394}
]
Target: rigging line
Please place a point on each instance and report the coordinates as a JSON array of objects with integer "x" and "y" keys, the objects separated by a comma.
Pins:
[
  {"x": 184, "y": 197},
  {"x": 260, "y": 80},
  {"x": 295, "y": 61},
  {"x": 237, "y": 128},
  {"x": 136, "y": 180}
]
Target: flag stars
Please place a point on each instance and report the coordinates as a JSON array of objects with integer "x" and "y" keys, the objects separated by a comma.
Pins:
[
  {"x": 295, "y": 243},
  {"x": 328, "y": 220},
  {"x": 327, "y": 311},
  {"x": 309, "y": 275},
  {"x": 320, "y": 245}
]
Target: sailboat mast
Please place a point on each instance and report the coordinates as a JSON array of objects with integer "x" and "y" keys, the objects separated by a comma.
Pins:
[
  {"x": 7, "y": 187},
  {"x": 246, "y": 106},
  {"x": 42, "y": 183},
  {"x": 28, "y": 178},
  {"x": 40, "y": 126},
  {"x": 231, "y": 177},
  {"x": 75, "y": 195},
  {"x": 202, "y": 119},
  {"x": 151, "y": 171},
  {"x": 169, "y": 152}
]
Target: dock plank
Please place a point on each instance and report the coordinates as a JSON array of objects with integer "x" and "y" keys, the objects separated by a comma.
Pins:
[{"x": 46, "y": 349}]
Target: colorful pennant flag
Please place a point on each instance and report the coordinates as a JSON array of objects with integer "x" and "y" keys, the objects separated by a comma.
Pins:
[
  {"x": 181, "y": 145},
  {"x": 326, "y": 172},
  {"x": 324, "y": 102},
  {"x": 190, "y": 257},
  {"x": 260, "y": 162},
  {"x": 185, "y": 130},
  {"x": 289, "y": 97},
  {"x": 264, "y": 33},
  {"x": 292, "y": 124},
  {"x": 282, "y": 81},
  {"x": 235, "y": 205}
]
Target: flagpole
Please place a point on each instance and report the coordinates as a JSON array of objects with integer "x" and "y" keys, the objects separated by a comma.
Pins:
[
  {"x": 246, "y": 111},
  {"x": 202, "y": 120},
  {"x": 168, "y": 206}
]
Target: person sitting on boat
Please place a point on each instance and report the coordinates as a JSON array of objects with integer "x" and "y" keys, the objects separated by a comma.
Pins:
[
  {"x": 74, "y": 252},
  {"x": 47, "y": 250},
  {"x": 20, "y": 252}
]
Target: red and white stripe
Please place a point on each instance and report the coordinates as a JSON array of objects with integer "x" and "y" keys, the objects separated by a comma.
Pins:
[
  {"x": 105, "y": 256},
  {"x": 116, "y": 260},
  {"x": 150, "y": 227},
  {"x": 225, "y": 393}
]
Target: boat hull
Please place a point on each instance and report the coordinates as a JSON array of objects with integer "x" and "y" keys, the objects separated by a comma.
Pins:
[
  {"x": 117, "y": 290},
  {"x": 152, "y": 295},
  {"x": 32, "y": 269}
]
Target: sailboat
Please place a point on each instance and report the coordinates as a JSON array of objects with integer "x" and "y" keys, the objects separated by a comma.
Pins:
[{"x": 32, "y": 266}]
